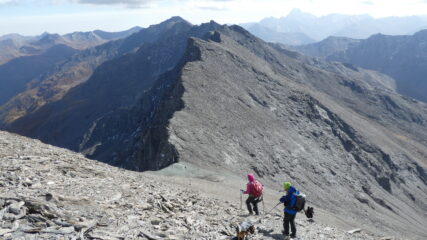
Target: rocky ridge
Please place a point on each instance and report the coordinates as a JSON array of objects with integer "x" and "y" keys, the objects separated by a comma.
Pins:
[
  {"x": 52, "y": 193},
  {"x": 246, "y": 106},
  {"x": 236, "y": 104}
]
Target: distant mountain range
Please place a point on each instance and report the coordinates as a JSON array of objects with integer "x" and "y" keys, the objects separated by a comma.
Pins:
[
  {"x": 41, "y": 85},
  {"x": 311, "y": 28},
  {"x": 15, "y": 45},
  {"x": 402, "y": 57},
  {"x": 288, "y": 38}
]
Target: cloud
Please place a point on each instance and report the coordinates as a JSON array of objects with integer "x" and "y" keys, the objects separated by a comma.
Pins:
[
  {"x": 210, "y": 5},
  {"x": 8, "y": 2},
  {"x": 127, "y": 3}
]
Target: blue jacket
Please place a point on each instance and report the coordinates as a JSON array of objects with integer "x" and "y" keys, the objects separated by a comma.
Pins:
[{"x": 290, "y": 200}]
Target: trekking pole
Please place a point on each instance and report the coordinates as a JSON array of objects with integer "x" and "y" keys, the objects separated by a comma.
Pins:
[
  {"x": 273, "y": 208},
  {"x": 241, "y": 200},
  {"x": 263, "y": 205}
]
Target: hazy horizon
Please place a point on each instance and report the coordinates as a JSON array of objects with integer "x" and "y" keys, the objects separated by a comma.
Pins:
[{"x": 31, "y": 17}]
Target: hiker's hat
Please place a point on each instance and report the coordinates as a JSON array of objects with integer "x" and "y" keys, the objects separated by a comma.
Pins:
[{"x": 286, "y": 185}]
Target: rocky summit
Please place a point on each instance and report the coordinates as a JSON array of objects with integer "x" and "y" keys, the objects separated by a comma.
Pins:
[{"x": 52, "y": 193}]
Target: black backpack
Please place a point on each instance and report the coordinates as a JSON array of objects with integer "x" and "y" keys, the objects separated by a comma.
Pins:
[
  {"x": 300, "y": 202},
  {"x": 309, "y": 212}
]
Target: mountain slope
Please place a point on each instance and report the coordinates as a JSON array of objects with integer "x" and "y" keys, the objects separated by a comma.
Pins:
[
  {"x": 327, "y": 47},
  {"x": 53, "y": 85},
  {"x": 10, "y": 47},
  {"x": 401, "y": 57},
  {"x": 49, "y": 193},
  {"x": 128, "y": 85},
  {"x": 270, "y": 35},
  {"x": 227, "y": 101},
  {"x": 15, "y": 74},
  {"x": 240, "y": 114},
  {"x": 230, "y": 121}
]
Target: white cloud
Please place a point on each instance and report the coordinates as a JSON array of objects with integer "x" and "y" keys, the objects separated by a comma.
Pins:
[
  {"x": 127, "y": 3},
  {"x": 8, "y": 2},
  {"x": 216, "y": 5}
]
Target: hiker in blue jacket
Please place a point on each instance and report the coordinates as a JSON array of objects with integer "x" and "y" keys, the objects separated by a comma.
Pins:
[{"x": 289, "y": 201}]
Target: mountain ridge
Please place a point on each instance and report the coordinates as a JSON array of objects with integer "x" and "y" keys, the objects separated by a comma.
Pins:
[
  {"x": 400, "y": 57},
  {"x": 235, "y": 147},
  {"x": 224, "y": 100}
]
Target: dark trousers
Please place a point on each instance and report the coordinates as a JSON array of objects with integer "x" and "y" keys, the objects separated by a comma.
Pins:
[
  {"x": 254, "y": 201},
  {"x": 289, "y": 220}
]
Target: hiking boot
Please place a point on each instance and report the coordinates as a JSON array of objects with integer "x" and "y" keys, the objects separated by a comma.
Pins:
[{"x": 293, "y": 236}]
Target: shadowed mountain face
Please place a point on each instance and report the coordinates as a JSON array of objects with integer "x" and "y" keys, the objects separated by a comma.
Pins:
[
  {"x": 402, "y": 57},
  {"x": 120, "y": 94},
  {"x": 15, "y": 74},
  {"x": 42, "y": 69},
  {"x": 319, "y": 28},
  {"x": 50, "y": 86},
  {"x": 222, "y": 99}
]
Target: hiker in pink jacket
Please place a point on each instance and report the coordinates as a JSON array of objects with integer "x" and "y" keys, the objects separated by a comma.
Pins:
[{"x": 254, "y": 190}]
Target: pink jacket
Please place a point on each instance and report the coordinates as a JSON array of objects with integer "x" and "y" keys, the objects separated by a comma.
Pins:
[{"x": 250, "y": 187}]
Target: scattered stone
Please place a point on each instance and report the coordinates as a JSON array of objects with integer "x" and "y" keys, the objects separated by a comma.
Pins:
[
  {"x": 155, "y": 221},
  {"x": 146, "y": 206},
  {"x": 328, "y": 229},
  {"x": 149, "y": 236},
  {"x": 15, "y": 208},
  {"x": 354, "y": 231}
]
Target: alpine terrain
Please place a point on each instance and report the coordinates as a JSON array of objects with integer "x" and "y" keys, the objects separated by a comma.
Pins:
[
  {"x": 402, "y": 57},
  {"x": 219, "y": 100},
  {"x": 64, "y": 72},
  {"x": 15, "y": 45},
  {"x": 53, "y": 193}
]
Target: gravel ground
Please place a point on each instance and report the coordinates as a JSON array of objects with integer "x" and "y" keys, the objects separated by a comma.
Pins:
[{"x": 53, "y": 193}]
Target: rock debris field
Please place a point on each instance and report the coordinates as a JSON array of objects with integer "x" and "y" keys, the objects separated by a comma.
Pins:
[{"x": 52, "y": 193}]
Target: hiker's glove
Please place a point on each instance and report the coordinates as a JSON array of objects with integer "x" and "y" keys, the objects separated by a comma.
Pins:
[{"x": 242, "y": 191}]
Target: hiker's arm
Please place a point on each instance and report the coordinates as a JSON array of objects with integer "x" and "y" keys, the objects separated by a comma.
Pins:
[
  {"x": 248, "y": 189},
  {"x": 285, "y": 199}
]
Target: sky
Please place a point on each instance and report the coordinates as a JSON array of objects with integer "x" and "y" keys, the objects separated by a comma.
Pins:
[{"x": 33, "y": 17}]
